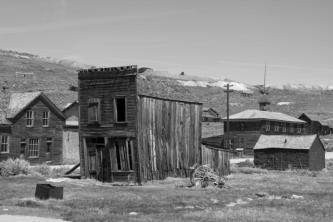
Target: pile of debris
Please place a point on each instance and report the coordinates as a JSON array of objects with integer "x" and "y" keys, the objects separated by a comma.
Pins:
[{"x": 204, "y": 176}]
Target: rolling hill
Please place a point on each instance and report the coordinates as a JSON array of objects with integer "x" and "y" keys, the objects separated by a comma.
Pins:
[{"x": 26, "y": 72}]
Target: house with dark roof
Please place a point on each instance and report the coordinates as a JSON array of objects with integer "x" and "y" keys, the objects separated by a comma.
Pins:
[
  {"x": 246, "y": 127},
  {"x": 315, "y": 124},
  {"x": 281, "y": 152},
  {"x": 31, "y": 128}
]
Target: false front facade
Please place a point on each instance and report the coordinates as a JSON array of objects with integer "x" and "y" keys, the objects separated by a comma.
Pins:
[{"x": 129, "y": 136}]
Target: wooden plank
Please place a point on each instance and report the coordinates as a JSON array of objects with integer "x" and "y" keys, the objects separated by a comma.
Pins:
[{"x": 85, "y": 152}]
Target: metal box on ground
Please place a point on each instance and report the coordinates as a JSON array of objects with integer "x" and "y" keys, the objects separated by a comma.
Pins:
[{"x": 47, "y": 191}]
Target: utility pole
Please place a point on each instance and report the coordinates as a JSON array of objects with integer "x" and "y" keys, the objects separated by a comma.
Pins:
[{"x": 228, "y": 91}]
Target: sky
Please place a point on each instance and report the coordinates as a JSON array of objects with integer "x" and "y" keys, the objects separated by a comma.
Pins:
[{"x": 214, "y": 38}]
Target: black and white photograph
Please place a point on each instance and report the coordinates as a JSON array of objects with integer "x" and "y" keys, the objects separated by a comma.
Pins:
[{"x": 166, "y": 110}]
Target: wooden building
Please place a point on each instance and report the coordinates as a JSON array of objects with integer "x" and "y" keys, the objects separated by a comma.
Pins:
[
  {"x": 281, "y": 152},
  {"x": 210, "y": 115},
  {"x": 247, "y": 126},
  {"x": 71, "y": 133},
  {"x": 315, "y": 124},
  {"x": 127, "y": 135},
  {"x": 31, "y": 128}
]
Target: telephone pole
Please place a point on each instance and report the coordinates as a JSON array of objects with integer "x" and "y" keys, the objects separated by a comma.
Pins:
[{"x": 228, "y": 91}]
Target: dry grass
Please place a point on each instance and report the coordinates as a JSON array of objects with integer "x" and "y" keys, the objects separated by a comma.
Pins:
[{"x": 167, "y": 201}]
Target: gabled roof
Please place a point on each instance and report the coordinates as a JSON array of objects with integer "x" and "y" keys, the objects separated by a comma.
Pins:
[
  {"x": 209, "y": 112},
  {"x": 253, "y": 114},
  {"x": 3, "y": 118},
  {"x": 299, "y": 142},
  {"x": 72, "y": 121},
  {"x": 313, "y": 118},
  {"x": 20, "y": 101}
]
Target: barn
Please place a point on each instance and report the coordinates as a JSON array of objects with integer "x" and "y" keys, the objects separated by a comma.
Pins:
[{"x": 281, "y": 152}]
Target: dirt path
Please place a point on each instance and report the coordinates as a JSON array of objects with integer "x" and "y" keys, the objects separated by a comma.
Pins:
[{"x": 16, "y": 218}]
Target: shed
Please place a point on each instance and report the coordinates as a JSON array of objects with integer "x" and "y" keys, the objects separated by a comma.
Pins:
[{"x": 281, "y": 152}]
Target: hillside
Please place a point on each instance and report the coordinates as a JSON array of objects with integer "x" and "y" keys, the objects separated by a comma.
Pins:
[{"x": 27, "y": 72}]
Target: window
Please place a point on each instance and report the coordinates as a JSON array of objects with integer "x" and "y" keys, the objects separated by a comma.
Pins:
[
  {"x": 284, "y": 127},
  {"x": 93, "y": 110},
  {"x": 292, "y": 128},
  {"x": 299, "y": 129},
  {"x": 48, "y": 144},
  {"x": 120, "y": 109},
  {"x": 268, "y": 126},
  {"x": 242, "y": 126},
  {"x": 29, "y": 118},
  {"x": 45, "y": 120},
  {"x": 4, "y": 148},
  {"x": 33, "y": 148},
  {"x": 276, "y": 127}
]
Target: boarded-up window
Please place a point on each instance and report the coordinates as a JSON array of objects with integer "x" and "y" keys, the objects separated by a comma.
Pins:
[
  {"x": 48, "y": 144},
  {"x": 120, "y": 109},
  {"x": 93, "y": 110},
  {"x": 124, "y": 155},
  {"x": 45, "y": 120},
  {"x": 29, "y": 116},
  {"x": 33, "y": 148},
  {"x": 4, "y": 148}
]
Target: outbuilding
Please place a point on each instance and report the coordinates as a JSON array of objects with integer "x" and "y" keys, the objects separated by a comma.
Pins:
[{"x": 281, "y": 152}]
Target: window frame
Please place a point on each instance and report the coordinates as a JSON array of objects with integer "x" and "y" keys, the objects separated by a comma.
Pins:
[
  {"x": 46, "y": 119},
  {"x": 94, "y": 102},
  {"x": 29, "y": 118},
  {"x": 33, "y": 150},
  {"x": 267, "y": 126},
  {"x": 49, "y": 143},
  {"x": 277, "y": 127},
  {"x": 116, "y": 110},
  {"x": 6, "y": 144}
]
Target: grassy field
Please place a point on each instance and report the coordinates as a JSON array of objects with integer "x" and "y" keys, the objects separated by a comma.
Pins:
[{"x": 289, "y": 196}]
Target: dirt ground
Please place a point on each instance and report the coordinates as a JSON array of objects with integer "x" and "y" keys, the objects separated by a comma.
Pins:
[{"x": 250, "y": 194}]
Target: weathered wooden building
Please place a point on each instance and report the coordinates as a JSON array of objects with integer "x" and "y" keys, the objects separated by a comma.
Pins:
[
  {"x": 31, "y": 128},
  {"x": 315, "y": 124},
  {"x": 71, "y": 133},
  {"x": 127, "y": 135},
  {"x": 281, "y": 152},
  {"x": 247, "y": 126},
  {"x": 210, "y": 115}
]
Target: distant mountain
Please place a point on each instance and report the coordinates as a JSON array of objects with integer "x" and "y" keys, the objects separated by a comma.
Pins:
[{"x": 27, "y": 72}]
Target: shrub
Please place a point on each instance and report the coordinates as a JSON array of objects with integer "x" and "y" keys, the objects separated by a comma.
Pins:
[
  {"x": 42, "y": 169},
  {"x": 12, "y": 167}
]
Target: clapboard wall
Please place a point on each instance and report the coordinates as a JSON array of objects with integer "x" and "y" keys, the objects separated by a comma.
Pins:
[
  {"x": 168, "y": 137},
  {"x": 217, "y": 159}
]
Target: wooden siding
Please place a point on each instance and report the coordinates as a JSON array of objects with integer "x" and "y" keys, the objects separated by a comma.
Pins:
[
  {"x": 105, "y": 87},
  {"x": 168, "y": 137},
  {"x": 20, "y": 131},
  {"x": 70, "y": 146},
  {"x": 281, "y": 159},
  {"x": 217, "y": 159}
]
